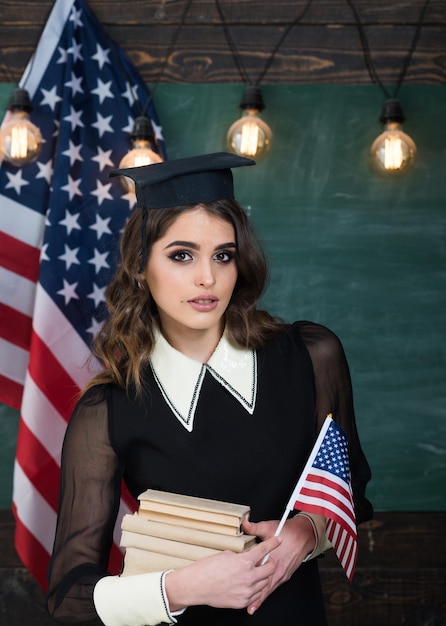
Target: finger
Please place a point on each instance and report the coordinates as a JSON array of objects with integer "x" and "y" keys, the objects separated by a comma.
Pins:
[
  {"x": 265, "y": 547},
  {"x": 252, "y": 528},
  {"x": 257, "y": 602},
  {"x": 263, "y": 530},
  {"x": 260, "y": 529}
]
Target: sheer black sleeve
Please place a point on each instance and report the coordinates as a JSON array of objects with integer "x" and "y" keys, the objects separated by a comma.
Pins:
[
  {"x": 88, "y": 507},
  {"x": 334, "y": 395}
]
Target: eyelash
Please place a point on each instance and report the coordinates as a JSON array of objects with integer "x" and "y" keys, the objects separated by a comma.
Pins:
[{"x": 175, "y": 256}]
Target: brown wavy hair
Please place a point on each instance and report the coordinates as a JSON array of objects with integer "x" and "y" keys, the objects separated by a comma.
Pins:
[{"x": 125, "y": 342}]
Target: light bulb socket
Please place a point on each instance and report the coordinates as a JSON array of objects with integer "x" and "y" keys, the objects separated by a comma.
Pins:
[
  {"x": 252, "y": 99},
  {"x": 142, "y": 129},
  {"x": 392, "y": 112},
  {"x": 20, "y": 101}
]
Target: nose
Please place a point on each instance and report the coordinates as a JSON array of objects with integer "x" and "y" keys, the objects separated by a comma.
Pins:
[{"x": 205, "y": 275}]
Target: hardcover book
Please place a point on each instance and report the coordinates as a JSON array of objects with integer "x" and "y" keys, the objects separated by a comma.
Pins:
[{"x": 171, "y": 530}]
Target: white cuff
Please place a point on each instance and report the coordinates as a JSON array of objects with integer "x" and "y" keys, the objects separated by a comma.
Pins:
[{"x": 135, "y": 600}]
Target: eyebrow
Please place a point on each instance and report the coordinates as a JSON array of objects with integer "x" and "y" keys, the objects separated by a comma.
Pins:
[{"x": 194, "y": 246}]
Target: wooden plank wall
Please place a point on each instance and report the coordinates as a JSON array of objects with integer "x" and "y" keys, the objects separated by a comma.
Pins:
[
  {"x": 400, "y": 576},
  {"x": 323, "y": 47}
]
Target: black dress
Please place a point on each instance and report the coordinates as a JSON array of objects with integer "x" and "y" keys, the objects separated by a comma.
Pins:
[{"x": 241, "y": 434}]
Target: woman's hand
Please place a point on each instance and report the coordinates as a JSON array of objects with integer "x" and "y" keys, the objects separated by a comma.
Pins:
[
  {"x": 298, "y": 541},
  {"x": 226, "y": 580}
]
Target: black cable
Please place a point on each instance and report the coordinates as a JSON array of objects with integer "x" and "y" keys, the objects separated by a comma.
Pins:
[
  {"x": 232, "y": 46},
  {"x": 166, "y": 58},
  {"x": 237, "y": 57},
  {"x": 143, "y": 110},
  {"x": 368, "y": 57},
  {"x": 412, "y": 48}
]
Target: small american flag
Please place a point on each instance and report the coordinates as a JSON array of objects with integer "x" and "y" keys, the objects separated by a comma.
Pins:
[
  {"x": 324, "y": 488},
  {"x": 60, "y": 221}
]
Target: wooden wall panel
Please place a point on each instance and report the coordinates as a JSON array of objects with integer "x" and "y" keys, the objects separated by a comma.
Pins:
[
  {"x": 400, "y": 576},
  {"x": 323, "y": 48}
]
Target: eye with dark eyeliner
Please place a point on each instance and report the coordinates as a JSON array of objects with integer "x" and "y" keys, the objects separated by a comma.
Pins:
[
  {"x": 224, "y": 256},
  {"x": 180, "y": 256}
]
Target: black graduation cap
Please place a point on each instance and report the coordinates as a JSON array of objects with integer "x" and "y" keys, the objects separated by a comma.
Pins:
[
  {"x": 203, "y": 178},
  {"x": 191, "y": 180}
]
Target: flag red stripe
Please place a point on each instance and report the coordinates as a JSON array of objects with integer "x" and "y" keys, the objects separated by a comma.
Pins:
[
  {"x": 348, "y": 557},
  {"x": 44, "y": 474},
  {"x": 127, "y": 498},
  {"x": 31, "y": 551},
  {"x": 19, "y": 257},
  {"x": 353, "y": 559},
  {"x": 336, "y": 486},
  {"x": 51, "y": 378},
  {"x": 334, "y": 520},
  {"x": 341, "y": 545},
  {"x": 41, "y": 469},
  {"x": 326, "y": 511},
  {"x": 327, "y": 497},
  {"x": 347, "y": 554},
  {"x": 15, "y": 327},
  {"x": 346, "y": 551},
  {"x": 336, "y": 538},
  {"x": 10, "y": 392},
  {"x": 115, "y": 560}
]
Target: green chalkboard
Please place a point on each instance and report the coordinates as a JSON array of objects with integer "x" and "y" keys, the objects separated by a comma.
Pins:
[{"x": 363, "y": 255}]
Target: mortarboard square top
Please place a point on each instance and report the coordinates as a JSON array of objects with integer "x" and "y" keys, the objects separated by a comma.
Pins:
[{"x": 191, "y": 180}]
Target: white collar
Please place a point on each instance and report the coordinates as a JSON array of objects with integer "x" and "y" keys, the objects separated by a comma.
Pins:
[{"x": 180, "y": 378}]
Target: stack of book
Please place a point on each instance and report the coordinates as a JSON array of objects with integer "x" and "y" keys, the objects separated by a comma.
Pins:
[{"x": 172, "y": 530}]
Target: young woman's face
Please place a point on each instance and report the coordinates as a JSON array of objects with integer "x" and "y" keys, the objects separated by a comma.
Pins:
[{"x": 191, "y": 272}]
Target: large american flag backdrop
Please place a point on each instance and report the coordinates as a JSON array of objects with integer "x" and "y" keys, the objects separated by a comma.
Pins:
[
  {"x": 60, "y": 220},
  {"x": 324, "y": 488}
]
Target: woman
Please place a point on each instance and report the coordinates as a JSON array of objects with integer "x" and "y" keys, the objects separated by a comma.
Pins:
[{"x": 204, "y": 394}]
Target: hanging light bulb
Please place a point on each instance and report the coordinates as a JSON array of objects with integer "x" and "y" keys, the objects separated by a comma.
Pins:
[
  {"x": 20, "y": 139},
  {"x": 250, "y": 136},
  {"x": 142, "y": 152},
  {"x": 393, "y": 152}
]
